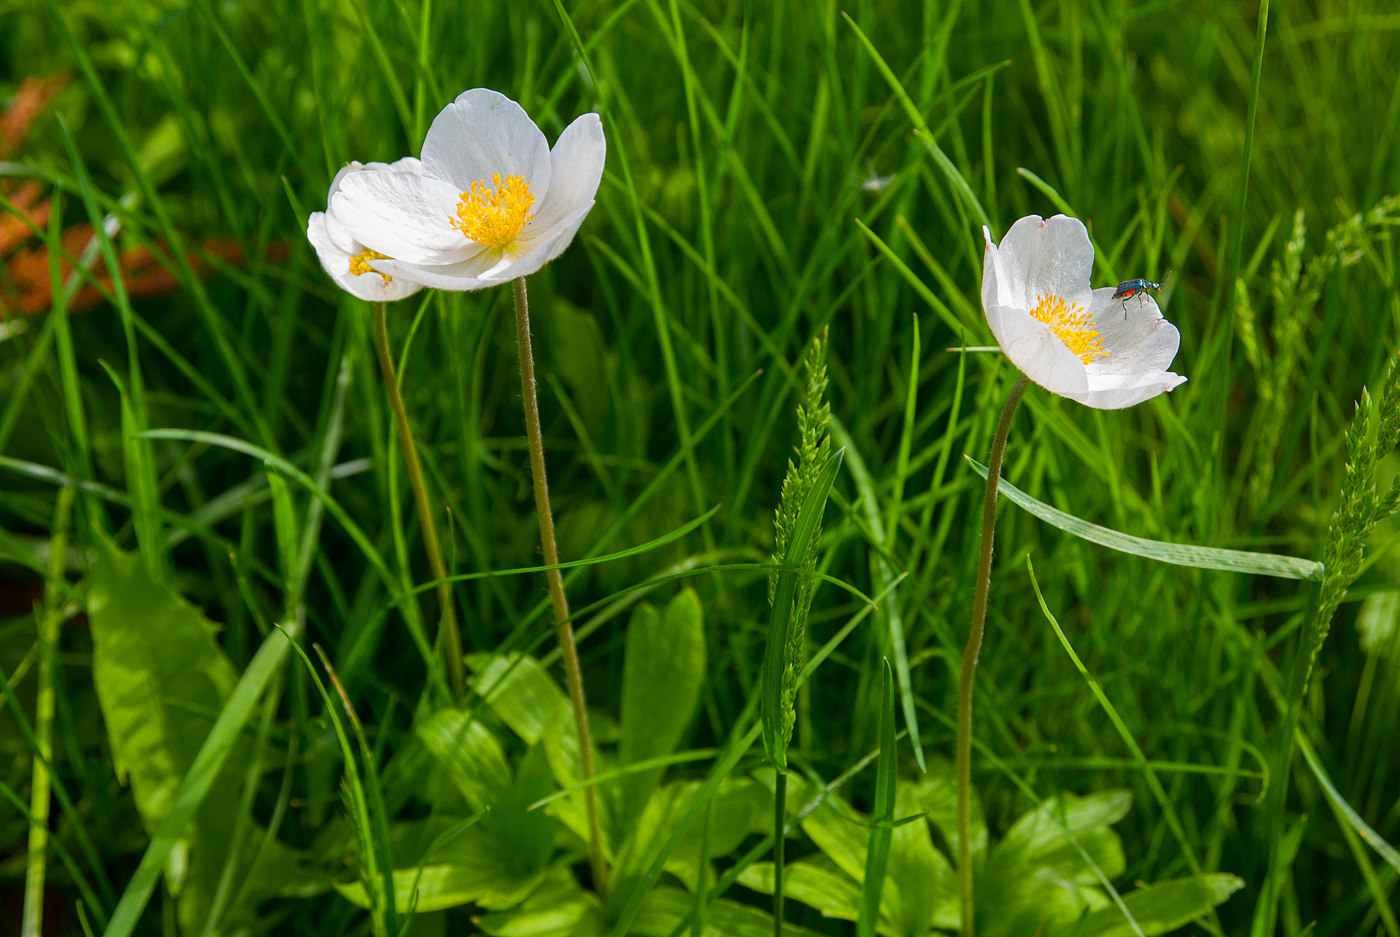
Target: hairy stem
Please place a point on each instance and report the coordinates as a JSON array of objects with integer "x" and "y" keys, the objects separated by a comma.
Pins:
[
  {"x": 574, "y": 676},
  {"x": 969, "y": 660},
  {"x": 452, "y": 642}
]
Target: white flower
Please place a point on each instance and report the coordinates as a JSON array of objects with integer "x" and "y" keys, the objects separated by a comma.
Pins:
[
  {"x": 492, "y": 202},
  {"x": 1071, "y": 340},
  {"x": 349, "y": 262}
]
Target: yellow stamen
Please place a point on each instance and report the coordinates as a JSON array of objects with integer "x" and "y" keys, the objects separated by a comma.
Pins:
[
  {"x": 359, "y": 264},
  {"x": 1071, "y": 325},
  {"x": 494, "y": 215}
]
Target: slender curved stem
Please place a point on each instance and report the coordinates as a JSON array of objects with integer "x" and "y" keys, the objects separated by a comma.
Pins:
[
  {"x": 969, "y": 660},
  {"x": 452, "y": 642},
  {"x": 567, "y": 648}
]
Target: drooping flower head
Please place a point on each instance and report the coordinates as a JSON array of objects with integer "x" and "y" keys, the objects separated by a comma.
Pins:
[
  {"x": 1074, "y": 341},
  {"x": 351, "y": 264},
  {"x": 493, "y": 202}
]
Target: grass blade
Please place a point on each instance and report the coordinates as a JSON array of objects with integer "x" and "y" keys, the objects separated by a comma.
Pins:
[
  {"x": 1180, "y": 554},
  {"x": 882, "y": 817}
]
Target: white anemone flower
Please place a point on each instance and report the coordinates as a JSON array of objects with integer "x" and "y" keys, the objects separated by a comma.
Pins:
[
  {"x": 1074, "y": 341},
  {"x": 493, "y": 202},
  {"x": 348, "y": 261}
]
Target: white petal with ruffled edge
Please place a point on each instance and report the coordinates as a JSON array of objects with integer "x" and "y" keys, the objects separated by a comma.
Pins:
[
  {"x": 482, "y": 133},
  {"x": 577, "y": 158}
]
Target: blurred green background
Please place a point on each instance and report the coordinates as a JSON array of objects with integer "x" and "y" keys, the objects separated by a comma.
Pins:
[{"x": 763, "y": 183}]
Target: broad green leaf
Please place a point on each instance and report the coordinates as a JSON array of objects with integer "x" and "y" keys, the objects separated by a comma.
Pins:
[
  {"x": 636, "y": 853},
  {"x": 721, "y": 771},
  {"x": 560, "y": 740},
  {"x": 665, "y": 908},
  {"x": 662, "y": 672},
  {"x": 877, "y": 855},
  {"x": 1158, "y": 909},
  {"x": 158, "y": 674},
  {"x": 1181, "y": 554},
  {"x": 815, "y": 883},
  {"x": 160, "y": 678},
  {"x": 470, "y": 754},
  {"x": 157, "y": 671},
  {"x": 921, "y": 886},
  {"x": 475, "y": 867},
  {"x": 517, "y": 689},
  {"x": 528, "y": 833},
  {"x": 733, "y": 813},
  {"x": 1042, "y": 872},
  {"x": 558, "y": 908},
  {"x": 1043, "y": 834}
]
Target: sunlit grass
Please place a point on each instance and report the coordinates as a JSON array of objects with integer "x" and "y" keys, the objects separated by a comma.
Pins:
[{"x": 764, "y": 182}]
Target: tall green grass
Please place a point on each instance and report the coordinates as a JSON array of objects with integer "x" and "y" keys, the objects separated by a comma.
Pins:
[{"x": 775, "y": 169}]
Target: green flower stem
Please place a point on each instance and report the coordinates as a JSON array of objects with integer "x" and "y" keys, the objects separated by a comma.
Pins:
[
  {"x": 567, "y": 647},
  {"x": 451, "y": 639},
  {"x": 969, "y": 660},
  {"x": 779, "y": 844},
  {"x": 32, "y": 923}
]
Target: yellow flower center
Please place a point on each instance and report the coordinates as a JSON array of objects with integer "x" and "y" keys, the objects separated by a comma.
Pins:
[
  {"x": 359, "y": 264},
  {"x": 494, "y": 215},
  {"x": 1071, "y": 325}
]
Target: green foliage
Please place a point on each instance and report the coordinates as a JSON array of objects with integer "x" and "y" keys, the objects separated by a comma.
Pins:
[
  {"x": 1046, "y": 875},
  {"x": 776, "y": 171},
  {"x": 662, "y": 671},
  {"x": 161, "y": 679}
]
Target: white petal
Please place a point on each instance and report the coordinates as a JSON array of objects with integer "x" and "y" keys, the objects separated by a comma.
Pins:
[
  {"x": 336, "y": 262},
  {"x": 459, "y": 277},
  {"x": 996, "y": 294},
  {"x": 1039, "y": 353},
  {"x": 577, "y": 168},
  {"x": 492, "y": 267},
  {"x": 1047, "y": 257},
  {"x": 347, "y": 169},
  {"x": 991, "y": 278},
  {"x": 485, "y": 132},
  {"x": 339, "y": 236},
  {"x": 1138, "y": 340},
  {"x": 543, "y": 251},
  {"x": 1114, "y": 392},
  {"x": 403, "y": 215}
]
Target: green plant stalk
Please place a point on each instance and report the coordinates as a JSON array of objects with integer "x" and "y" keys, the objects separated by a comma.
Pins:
[
  {"x": 969, "y": 659},
  {"x": 32, "y": 922},
  {"x": 569, "y": 650},
  {"x": 877, "y": 857},
  {"x": 452, "y": 641},
  {"x": 779, "y": 843}
]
